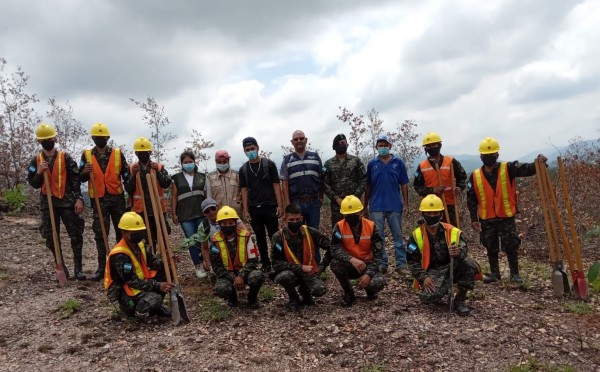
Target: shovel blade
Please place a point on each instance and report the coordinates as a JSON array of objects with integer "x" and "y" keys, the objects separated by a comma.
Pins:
[
  {"x": 565, "y": 279},
  {"x": 580, "y": 286},
  {"x": 181, "y": 306},
  {"x": 60, "y": 275},
  {"x": 557, "y": 283},
  {"x": 175, "y": 316}
]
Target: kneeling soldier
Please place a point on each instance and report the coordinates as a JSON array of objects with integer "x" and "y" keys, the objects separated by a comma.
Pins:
[
  {"x": 234, "y": 260},
  {"x": 133, "y": 276}
]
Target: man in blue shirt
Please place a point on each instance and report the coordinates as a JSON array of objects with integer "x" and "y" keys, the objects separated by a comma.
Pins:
[{"x": 386, "y": 177}]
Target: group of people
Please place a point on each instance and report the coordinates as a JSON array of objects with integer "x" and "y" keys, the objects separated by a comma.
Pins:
[{"x": 213, "y": 210}]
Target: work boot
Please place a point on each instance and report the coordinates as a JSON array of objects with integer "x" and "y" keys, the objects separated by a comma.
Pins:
[
  {"x": 513, "y": 264},
  {"x": 161, "y": 312},
  {"x": 99, "y": 274},
  {"x": 232, "y": 301},
  {"x": 494, "y": 276},
  {"x": 307, "y": 298},
  {"x": 460, "y": 306},
  {"x": 348, "y": 298},
  {"x": 294, "y": 300},
  {"x": 253, "y": 297},
  {"x": 79, "y": 275},
  {"x": 371, "y": 296}
]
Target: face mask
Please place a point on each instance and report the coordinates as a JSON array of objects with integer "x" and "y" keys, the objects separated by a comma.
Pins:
[
  {"x": 433, "y": 151},
  {"x": 223, "y": 167},
  {"x": 432, "y": 220},
  {"x": 188, "y": 167},
  {"x": 137, "y": 237},
  {"x": 144, "y": 157},
  {"x": 252, "y": 154},
  {"x": 101, "y": 142},
  {"x": 352, "y": 219},
  {"x": 340, "y": 148},
  {"x": 228, "y": 230},
  {"x": 489, "y": 160},
  {"x": 48, "y": 145},
  {"x": 294, "y": 227},
  {"x": 383, "y": 151}
]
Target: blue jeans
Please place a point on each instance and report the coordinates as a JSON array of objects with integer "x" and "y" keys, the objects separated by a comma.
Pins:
[
  {"x": 394, "y": 221},
  {"x": 190, "y": 227},
  {"x": 311, "y": 212}
]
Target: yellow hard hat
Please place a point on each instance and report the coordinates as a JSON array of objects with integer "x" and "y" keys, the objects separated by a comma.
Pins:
[
  {"x": 227, "y": 213},
  {"x": 45, "y": 131},
  {"x": 142, "y": 144},
  {"x": 489, "y": 145},
  {"x": 431, "y": 203},
  {"x": 431, "y": 137},
  {"x": 351, "y": 204},
  {"x": 99, "y": 130},
  {"x": 131, "y": 221}
]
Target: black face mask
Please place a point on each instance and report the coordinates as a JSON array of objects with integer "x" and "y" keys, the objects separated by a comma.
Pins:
[
  {"x": 228, "y": 230},
  {"x": 143, "y": 156},
  {"x": 433, "y": 151},
  {"x": 489, "y": 160},
  {"x": 137, "y": 236},
  {"x": 432, "y": 220},
  {"x": 352, "y": 219},
  {"x": 101, "y": 142},
  {"x": 294, "y": 227},
  {"x": 48, "y": 145},
  {"x": 340, "y": 148}
]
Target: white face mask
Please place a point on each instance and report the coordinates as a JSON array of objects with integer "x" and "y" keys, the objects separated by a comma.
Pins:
[{"x": 223, "y": 167}]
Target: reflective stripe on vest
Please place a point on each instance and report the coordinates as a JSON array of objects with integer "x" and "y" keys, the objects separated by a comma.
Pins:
[
  {"x": 422, "y": 239},
  {"x": 110, "y": 179},
  {"x": 363, "y": 249},
  {"x": 137, "y": 194},
  {"x": 57, "y": 175},
  {"x": 240, "y": 250},
  {"x": 189, "y": 194},
  {"x": 303, "y": 174},
  {"x": 431, "y": 178},
  {"x": 141, "y": 269},
  {"x": 501, "y": 202},
  {"x": 308, "y": 249}
]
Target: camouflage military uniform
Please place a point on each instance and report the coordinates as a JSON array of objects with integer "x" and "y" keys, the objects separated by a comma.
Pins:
[
  {"x": 112, "y": 206},
  {"x": 343, "y": 269},
  {"x": 343, "y": 177},
  {"x": 63, "y": 209},
  {"x": 290, "y": 275},
  {"x": 465, "y": 268}
]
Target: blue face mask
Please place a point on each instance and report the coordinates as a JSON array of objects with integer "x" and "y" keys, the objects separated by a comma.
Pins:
[
  {"x": 188, "y": 167},
  {"x": 223, "y": 167},
  {"x": 383, "y": 151},
  {"x": 252, "y": 154}
]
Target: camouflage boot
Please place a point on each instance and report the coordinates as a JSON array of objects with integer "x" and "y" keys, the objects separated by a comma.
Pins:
[
  {"x": 253, "y": 297},
  {"x": 460, "y": 305},
  {"x": 494, "y": 276},
  {"x": 513, "y": 264},
  {"x": 294, "y": 300}
]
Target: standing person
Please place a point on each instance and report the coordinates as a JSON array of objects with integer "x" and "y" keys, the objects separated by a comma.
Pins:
[
  {"x": 188, "y": 192},
  {"x": 356, "y": 249},
  {"x": 224, "y": 183},
  {"x": 426, "y": 178},
  {"x": 110, "y": 169},
  {"x": 261, "y": 197},
  {"x": 387, "y": 196},
  {"x": 429, "y": 250},
  {"x": 134, "y": 277},
  {"x": 492, "y": 202},
  {"x": 65, "y": 188},
  {"x": 234, "y": 260},
  {"x": 143, "y": 149},
  {"x": 293, "y": 253}
]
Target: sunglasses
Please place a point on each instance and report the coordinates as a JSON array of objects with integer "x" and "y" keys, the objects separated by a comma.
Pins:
[{"x": 210, "y": 209}]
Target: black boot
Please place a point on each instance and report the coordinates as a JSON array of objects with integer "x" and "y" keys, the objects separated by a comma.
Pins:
[
  {"x": 294, "y": 300},
  {"x": 494, "y": 276},
  {"x": 371, "y": 296},
  {"x": 513, "y": 264},
  {"x": 253, "y": 297},
  {"x": 232, "y": 301},
  {"x": 77, "y": 246},
  {"x": 161, "y": 312},
  {"x": 348, "y": 298},
  {"x": 460, "y": 306},
  {"x": 99, "y": 274},
  {"x": 307, "y": 298},
  {"x": 79, "y": 275}
]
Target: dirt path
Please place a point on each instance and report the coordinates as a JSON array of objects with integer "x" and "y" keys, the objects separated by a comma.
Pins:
[{"x": 508, "y": 326}]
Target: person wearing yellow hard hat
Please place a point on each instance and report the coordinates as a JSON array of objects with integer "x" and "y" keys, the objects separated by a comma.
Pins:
[
  {"x": 492, "y": 202},
  {"x": 65, "y": 189},
  {"x": 110, "y": 170},
  {"x": 234, "y": 258},
  {"x": 430, "y": 248},
  {"x": 356, "y": 250},
  {"x": 143, "y": 149},
  {"x": 427, "y": 179},
  {"x": 134, "y": 277}
]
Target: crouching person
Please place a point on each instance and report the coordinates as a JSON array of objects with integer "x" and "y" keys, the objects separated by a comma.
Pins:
[
  {"x": 134, "y": 277},
  {"x": 234, "y": 259},
  {"x": 430, "y": 247},
  {"x": 293, "y": 257}
]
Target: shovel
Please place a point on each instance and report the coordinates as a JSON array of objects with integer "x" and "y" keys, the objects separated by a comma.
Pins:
[
  {"x": 60, "y": 272},
  {"x": 579, "y": 283},
  {"x": 456, "y": 198},
  {"x": 451, "y": 287},
  {"x": 138, "y": 185},
  {"x": 92, "y": 186},
  {"x": 437, "y": 170}
]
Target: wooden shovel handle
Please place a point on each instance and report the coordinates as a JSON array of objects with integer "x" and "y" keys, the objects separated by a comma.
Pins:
[
  {"x": 456, "y": 199},
  {"x": 157, "y": 213},
  {"x": 543, "y": 202},
  {"x": 92, "y": 186},
  {"x": 437, "y": 171},
  {"x": 574, "y": 237},
  {"x": 138, "y": 185},
  {"x": 52, "y": 221}
]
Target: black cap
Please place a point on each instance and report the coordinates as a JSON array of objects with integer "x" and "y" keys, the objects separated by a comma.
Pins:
[
  {"x": 337, "y": 139},
  {"x": 249, "y": 141}
]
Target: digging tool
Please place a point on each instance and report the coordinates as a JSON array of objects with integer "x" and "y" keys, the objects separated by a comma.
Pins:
[
  {"x": 60, "y": 272},
  {"x": 437, "y": 171},
  {"x": 579, "y": 283},
  {"x": 92, "y": 186},
  {"x": 138, "y": 185},
  {"x": 456, "y": 199},
  {"x": 450, "y": 290},
  {"x": 557, "y": 282}
]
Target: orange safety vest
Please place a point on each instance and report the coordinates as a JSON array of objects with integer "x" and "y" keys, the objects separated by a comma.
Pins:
[
  {"x": 499, "y": 203},
  {"x": 140, "y": 266},
  {"x": 241, "y": 256},
  {"x": 308, "y": 249},
  {"x": 431, "y": 178},
  {"x": 137, "y": 195},
  {"x": 363, "y": 250},
  {"x": 57, "y": 175},
  {"x": 110, "y": 180}
]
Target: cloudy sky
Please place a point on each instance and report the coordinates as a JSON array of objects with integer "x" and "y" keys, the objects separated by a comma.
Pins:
[{"x": 523, "y": 71}]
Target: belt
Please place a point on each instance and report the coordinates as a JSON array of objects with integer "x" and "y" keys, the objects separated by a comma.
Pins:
[{"x": 305, "y": 198}]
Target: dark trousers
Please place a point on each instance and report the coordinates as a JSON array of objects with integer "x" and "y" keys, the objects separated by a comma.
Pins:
[{"x": 264, "y": 217}]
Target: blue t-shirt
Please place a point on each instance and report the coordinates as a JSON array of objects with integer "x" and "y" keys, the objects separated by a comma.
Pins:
[{"x": 385, "y": 180}]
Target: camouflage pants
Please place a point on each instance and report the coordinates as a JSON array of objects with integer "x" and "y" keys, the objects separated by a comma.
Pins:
[
  {"x": 464, "y": 273},
  {"x": 224, "y": 288},
  {"x": 145, "y": 301},
  {"x": 500, "y": 233},
  {"x": 111, "y": 211},
  {"x": 344, "y": 271},
  {"x": 74, "y": 225},
  {"x": 310, "y": 284}
]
